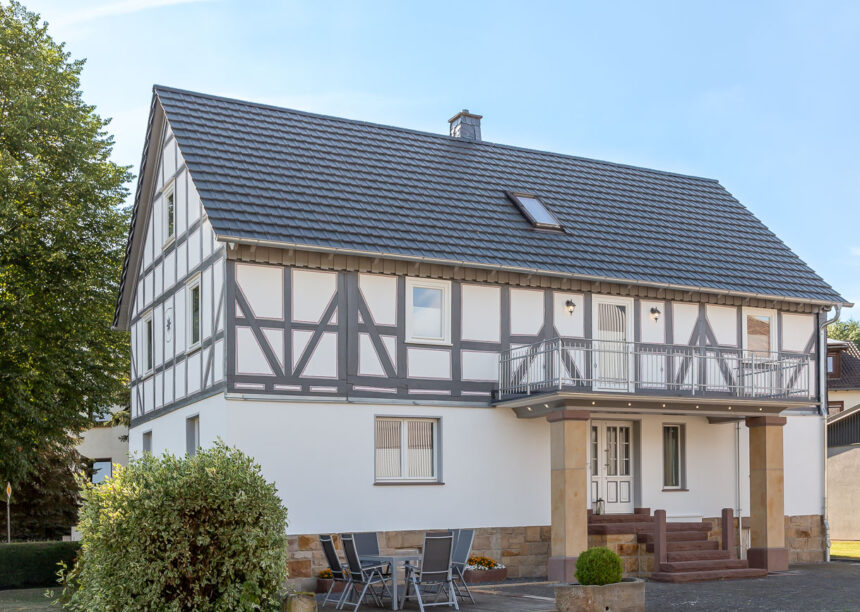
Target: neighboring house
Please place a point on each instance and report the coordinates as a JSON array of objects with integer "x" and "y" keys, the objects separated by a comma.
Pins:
[
  {"x": 105, "y": 446},
  {"x": 843, "y": 376},
  {"x": 415, "y": 331},
  {"x": 843, "y": 439}
]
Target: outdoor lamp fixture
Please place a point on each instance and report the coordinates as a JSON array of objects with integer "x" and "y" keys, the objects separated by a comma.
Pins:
[
  {"x": 655, "y": 314},
  {"x": 569, "y": 306}
]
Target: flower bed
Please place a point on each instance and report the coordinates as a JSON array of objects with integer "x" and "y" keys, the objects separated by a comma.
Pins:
[{"x": 481, "y": 570}]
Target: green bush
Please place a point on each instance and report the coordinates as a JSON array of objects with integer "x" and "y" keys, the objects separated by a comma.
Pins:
[
  {"x": 25, "y": 565},
  {"x": 598, "y": 566},
  {"x": 205, "y": 532}
]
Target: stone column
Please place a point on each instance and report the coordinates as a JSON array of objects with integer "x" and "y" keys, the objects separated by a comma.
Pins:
[
  {"x": 767, "y": 502},
  {"x": 569, "y": 439}
]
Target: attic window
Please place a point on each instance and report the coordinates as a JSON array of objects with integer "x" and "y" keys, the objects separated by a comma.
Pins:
[{"x": 534, "y": 210}]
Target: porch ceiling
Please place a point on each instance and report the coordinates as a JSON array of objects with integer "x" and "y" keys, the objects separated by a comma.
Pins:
[{"x": 540, "y": 405}]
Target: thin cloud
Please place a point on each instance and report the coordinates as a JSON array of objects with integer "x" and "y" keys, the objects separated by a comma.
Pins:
[
  {"x": 855, "y": 251},
  {"x": 123, "y": 7}
]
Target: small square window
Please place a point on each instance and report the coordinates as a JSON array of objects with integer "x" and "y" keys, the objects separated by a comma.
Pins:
[
  {"x": 407, "y": 449},
  {"x": 428, "y": 311},
  {"x": 169, "y": 215},
  {"x": 534, "y": 210},
  {"x": 193, "y": 325}
]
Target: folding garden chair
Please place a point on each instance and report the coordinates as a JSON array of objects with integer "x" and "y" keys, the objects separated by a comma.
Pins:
[
  {"x": 434, "y": 575},
  {"x": 338, "y": 574},
  {"x": 367, "y": 576},
  {"x": 459, "y": 560},
  {"x": 367, "y": 543}
]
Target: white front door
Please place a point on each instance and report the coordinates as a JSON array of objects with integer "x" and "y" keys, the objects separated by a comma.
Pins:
[
  {"x": 612, "y": 465},
  {"x": 612, "y": 354}
]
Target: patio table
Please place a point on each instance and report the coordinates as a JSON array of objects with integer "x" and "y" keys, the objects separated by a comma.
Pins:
[{"x": 395, "y": 561}]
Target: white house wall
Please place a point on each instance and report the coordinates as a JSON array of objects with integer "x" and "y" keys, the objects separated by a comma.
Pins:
[
  {"x": 494, "y": 466},
  {"x": 507, "y": 486},
  {"x": 342, "y": 334},
  {"x": 178, "y": 375}
]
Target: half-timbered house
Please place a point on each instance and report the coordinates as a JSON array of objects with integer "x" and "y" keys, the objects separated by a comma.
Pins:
[{"x": 412, "y": 330}]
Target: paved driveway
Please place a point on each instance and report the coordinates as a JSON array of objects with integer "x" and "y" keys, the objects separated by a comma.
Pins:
[{"x": 832, "y": 587}]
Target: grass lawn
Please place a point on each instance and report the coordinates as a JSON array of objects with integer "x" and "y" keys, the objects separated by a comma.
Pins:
[
  {"x": 845, "y": 548},
  {"x": 27, "y": 599}
]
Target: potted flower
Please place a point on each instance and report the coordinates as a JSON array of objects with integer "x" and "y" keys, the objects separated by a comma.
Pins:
[
  {"x": 325, "y": 580},
  {"x": 600, "y": 585},
  {"x": 483, "y": 569}
]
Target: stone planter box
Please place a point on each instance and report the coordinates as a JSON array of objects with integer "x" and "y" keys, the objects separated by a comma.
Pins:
[
  {"x": 483, "y": 576},
  {"x": 324, "y": 584},
  {"x": 625, "y": 596},
  {"x": 300, "y": 602}
]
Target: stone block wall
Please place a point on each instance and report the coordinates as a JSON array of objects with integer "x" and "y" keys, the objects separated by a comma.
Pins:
[
  {"x": 804, "y": 536},
  {"x": 525, "y": 550},
  {"x": 637, "y": 561}
]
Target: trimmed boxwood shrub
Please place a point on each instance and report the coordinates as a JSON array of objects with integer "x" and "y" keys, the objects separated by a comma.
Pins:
[
  {"x": 25, "y": 565},
  {"x": 598, "y": 566},
  {"x": 205, "y": 532}
]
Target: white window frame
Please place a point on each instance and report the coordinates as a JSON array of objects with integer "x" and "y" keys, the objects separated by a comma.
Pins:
[
  {"x": 404, "y": 454},
  {"x": 169, "y": 191},
  {"x": 773, "y": 327},
  {"x": 426, "y": 283},
  {"x": 147, "y": 435},
  {"x": 681, "y": 460},
  {"x": 189, "y": 313},
  {"x": 147, "y": 364}
]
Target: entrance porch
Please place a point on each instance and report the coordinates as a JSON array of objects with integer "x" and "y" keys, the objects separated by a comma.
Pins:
[{"x": 605, "y": 466}]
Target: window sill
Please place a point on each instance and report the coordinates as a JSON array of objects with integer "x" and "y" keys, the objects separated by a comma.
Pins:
[
  {"x": 168, "y": 243},
  {"x": 193, "y": 349},
  {"x": 417, "y": 342},
  {"x": 401, "y": 483},
  {"x": 675, "y": 490}
]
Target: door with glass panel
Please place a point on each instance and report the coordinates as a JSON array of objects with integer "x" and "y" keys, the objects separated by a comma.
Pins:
[
  {"x": 612, "y": 465},
  {"x": 612, "y": 354}
]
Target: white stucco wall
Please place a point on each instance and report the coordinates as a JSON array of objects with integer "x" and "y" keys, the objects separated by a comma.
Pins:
[
  {"x": 104, "y": 443},
  {"x": 849, "y": 398},
  {"x": 495, "y": 467}
]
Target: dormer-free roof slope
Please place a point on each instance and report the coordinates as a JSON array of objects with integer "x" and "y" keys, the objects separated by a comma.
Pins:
[{"x": 283, "y": 177}]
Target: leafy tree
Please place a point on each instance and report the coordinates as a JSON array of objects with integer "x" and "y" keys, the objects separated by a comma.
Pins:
[
  {"x": 45, "y": 505},
  {"x": 845, "y": 330},
  {"x": 62, "y": 235},
  {"x": 201, "y": 532}
]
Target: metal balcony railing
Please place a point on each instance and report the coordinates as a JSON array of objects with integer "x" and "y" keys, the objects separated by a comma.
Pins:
[{"x": 567, "y": 364}]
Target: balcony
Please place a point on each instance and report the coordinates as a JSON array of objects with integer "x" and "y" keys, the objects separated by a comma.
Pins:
[{"x": 657, "y": 370}]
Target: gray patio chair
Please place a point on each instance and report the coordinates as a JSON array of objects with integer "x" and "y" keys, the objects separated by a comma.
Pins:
[
  {"x": 459, "y": 559},
  {"x": 338, "y": 572},
  {"x": 367, "y": 543},
  {"x": 434, "y": 575},
  {"x": 366, "y": 576}
]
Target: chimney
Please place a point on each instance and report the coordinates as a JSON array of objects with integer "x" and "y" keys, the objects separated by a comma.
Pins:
[{"x": 465, "y": 125}]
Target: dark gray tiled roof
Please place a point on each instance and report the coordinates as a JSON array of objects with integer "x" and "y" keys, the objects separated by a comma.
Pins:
[{"x": 286, "y": 176}]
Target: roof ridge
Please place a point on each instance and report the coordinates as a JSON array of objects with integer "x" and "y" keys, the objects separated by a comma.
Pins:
[{"x": 485, "y": 143}]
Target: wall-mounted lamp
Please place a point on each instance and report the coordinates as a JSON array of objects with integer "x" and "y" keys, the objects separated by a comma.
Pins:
[
  {"x": 655, "y": 313},
  {"x": 570, "y": 306}
]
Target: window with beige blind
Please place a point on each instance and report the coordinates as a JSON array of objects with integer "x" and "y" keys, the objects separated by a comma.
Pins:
[{"x": 407, "y": 449}]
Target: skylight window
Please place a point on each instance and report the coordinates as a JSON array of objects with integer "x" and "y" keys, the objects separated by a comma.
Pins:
[{"x": 535, "y": 211}]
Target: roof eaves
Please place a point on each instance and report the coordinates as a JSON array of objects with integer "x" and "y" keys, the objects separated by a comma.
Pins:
[{"x": 524, "y": 270}]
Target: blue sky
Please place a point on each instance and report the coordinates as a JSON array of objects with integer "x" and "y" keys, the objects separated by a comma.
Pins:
[{"x": 762, "y": 96}]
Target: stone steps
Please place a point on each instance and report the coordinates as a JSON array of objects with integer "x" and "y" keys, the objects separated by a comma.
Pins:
[
  {"x": 675, "y": 536},
  {"x": 718, "y": 574},
  {"x": 696, "y": 555},
  {"x": 699, "y": 545},
  {"x": 698, "y": 565}
]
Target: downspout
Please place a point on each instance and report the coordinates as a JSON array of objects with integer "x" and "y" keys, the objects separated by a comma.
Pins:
[
  {"x": 738, "y": 489},
  {"x": 822, "y": 395}
]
